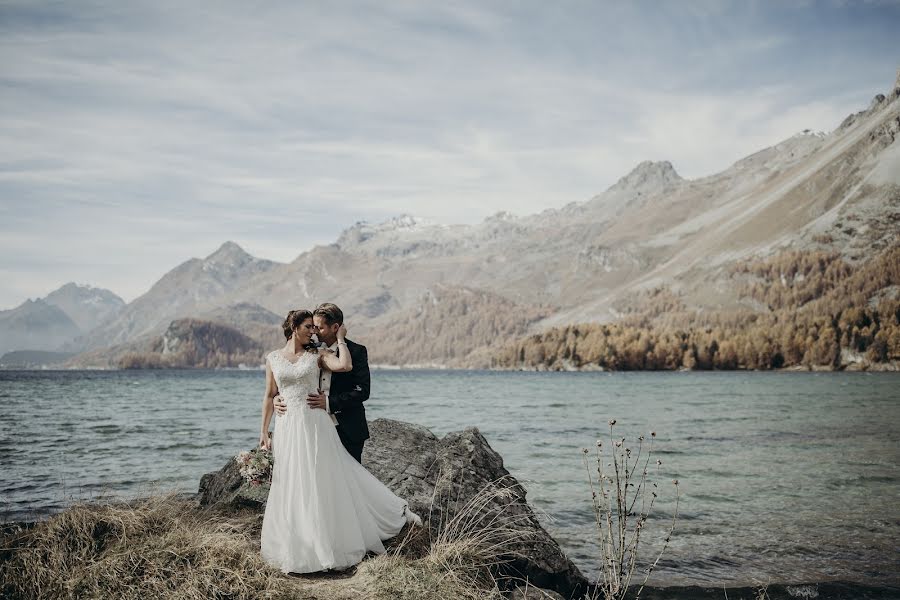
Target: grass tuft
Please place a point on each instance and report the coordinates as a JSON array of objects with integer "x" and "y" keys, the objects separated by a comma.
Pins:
[{"x": 154, "y": 548}]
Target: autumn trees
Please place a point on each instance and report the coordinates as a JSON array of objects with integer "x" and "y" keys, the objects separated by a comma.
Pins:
[{"x": 819, "y": 311}]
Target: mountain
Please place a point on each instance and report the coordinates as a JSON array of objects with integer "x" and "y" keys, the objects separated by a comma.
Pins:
[
  {"x": 189, "y": 289},
  {"x": 55, "y": 321},
  {"x": 86, "y": 305},
  {"x": 35, "y": 325},
  {"x": 450, "y": 293}
]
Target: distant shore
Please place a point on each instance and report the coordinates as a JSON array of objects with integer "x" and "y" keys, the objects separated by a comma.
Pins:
[{"x": 885, "y": 367}]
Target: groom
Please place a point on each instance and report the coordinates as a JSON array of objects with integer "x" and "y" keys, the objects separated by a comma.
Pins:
[{"x": 340, "y": 394}]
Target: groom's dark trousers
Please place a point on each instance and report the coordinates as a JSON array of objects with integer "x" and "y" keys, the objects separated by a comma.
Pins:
[{"x": 345, "y": 399}]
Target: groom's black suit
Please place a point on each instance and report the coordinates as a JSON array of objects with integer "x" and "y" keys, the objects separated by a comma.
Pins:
[{"x": 345, "y": 399}]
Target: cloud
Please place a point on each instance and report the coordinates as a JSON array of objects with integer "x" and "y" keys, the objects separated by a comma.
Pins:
[{"x": 176, "y": 127}]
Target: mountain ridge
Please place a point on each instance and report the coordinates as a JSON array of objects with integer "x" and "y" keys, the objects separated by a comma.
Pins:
[{"x": 838, "y": 191}]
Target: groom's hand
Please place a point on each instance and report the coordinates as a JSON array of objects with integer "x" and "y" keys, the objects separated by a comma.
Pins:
[
  {"x": 280, "y": 405},
  {"x": 316, "y": 400}
]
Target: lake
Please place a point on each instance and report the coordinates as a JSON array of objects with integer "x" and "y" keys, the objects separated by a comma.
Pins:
[{"x": 784, "y": 477}]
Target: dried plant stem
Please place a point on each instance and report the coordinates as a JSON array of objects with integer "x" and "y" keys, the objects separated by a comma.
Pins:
[
  {"x": 665, "y": 543},
  {"x": 619, "y": 488}
]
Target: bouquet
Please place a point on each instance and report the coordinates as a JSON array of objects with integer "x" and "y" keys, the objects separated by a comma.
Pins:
[{"x": 256, "y": 466}]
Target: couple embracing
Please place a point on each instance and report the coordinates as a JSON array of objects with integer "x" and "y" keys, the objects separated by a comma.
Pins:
[{"x": 324, "y": 510}]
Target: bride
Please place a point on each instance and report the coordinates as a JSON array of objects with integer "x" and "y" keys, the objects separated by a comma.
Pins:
[{"x": 325, "y": 510}]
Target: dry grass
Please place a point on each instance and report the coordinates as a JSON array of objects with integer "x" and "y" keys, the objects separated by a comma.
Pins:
[
  {"x": 165, "y": 547},
  {"x": 462, "y": 554},
  {"x": 156, "y": 548}
]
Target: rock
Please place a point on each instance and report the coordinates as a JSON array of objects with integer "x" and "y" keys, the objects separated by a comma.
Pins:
[
  {"x": 225, "y": 488},
  {"x": 649, "y": 176},
  {"x": 437, "y": 476},
  {"x": 850, "y": 120},
  {"x": 877, "y": 101}
]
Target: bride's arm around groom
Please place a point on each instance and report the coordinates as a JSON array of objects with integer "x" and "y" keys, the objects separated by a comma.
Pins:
[{"x": 338, "y": 362}]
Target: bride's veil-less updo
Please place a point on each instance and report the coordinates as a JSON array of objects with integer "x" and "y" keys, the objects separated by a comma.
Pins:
[{"x": 293, "y": 320}]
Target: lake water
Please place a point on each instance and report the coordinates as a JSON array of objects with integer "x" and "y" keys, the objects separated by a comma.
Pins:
[{"x": 784, "y": 477}]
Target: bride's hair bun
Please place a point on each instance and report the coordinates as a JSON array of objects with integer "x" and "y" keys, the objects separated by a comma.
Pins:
[{"x": 293, "y": 320}]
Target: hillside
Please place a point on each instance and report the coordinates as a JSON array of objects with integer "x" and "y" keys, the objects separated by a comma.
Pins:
[
  {"x": 811, "y": 310},
  {"x": 32, "y": 359},
  {"x": 194, "y": 343}
]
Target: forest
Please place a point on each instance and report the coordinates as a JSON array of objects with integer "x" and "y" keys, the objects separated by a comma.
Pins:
[{"x": 804, "y": 309}]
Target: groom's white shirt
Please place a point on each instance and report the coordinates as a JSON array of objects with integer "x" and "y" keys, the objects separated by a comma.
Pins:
[{"x": 325, "y": 385}]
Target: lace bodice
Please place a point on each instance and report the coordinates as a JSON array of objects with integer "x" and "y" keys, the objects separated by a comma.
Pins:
[{"x": 295, "y": 380}]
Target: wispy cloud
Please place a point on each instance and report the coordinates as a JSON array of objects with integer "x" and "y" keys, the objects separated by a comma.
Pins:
[{"x": 130, "y": 126}]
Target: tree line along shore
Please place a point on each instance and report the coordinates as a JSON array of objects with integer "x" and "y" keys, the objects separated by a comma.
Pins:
[{"x": 809, "y": 310}]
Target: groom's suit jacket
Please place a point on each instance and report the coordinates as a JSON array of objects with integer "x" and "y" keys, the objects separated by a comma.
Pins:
[{"x": 348, "y": 392}]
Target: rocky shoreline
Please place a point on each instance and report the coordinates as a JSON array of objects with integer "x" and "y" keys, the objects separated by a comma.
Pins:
[{"x": 438, "y": 476}]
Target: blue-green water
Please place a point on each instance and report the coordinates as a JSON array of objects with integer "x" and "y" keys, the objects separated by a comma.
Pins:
[{"x": 784, "y": 477}]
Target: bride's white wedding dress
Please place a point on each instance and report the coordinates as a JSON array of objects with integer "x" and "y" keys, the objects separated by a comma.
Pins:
[{"x": 325, "y": 510}]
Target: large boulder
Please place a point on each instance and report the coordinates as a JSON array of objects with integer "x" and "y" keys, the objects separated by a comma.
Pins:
[{"x": 438, "y": 477}]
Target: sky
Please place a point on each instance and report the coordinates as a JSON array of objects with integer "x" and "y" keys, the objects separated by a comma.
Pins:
[{"x": 136, "y": 135}]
